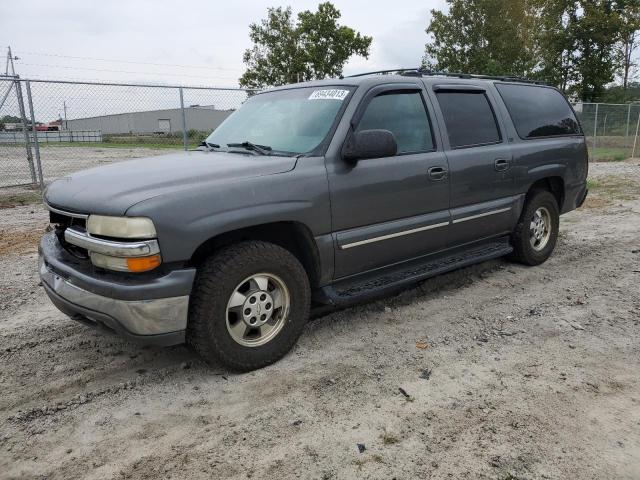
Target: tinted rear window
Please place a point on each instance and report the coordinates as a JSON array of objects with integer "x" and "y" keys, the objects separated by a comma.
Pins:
[
  {"x": 538, "y": 111},
  {"x": 469, "y": 119}
]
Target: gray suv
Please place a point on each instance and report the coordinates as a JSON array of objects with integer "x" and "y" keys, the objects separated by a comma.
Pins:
[{"x": 321, "y": 193}]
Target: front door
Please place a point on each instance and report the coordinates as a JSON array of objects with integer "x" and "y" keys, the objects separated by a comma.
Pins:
[{"x": 387, "y": 210}]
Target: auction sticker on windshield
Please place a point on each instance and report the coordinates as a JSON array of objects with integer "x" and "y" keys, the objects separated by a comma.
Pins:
[{"x": 329, "y": 94}]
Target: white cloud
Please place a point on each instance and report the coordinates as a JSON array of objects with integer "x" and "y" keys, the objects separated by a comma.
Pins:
[{"x": 201, "y": 32}]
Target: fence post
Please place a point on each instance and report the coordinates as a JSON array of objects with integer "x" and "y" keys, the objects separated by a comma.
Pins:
[
  {"x": 25, "y": 129},
  {"x": 635, "y": 139},
  {"x": 595, "y": 132},
  {"x": 185, "y": 140},
  {"x": 35, "y": 135},
  {"x": 626, "y": 135}
]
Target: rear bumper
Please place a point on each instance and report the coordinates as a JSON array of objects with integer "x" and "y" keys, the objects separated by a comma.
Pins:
[
  {"x": 575, "y": 196},
  {"x": 154, "y": 311}
]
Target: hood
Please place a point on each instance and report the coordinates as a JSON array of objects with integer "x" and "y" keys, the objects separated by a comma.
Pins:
[{"x": 114, "y": 188}]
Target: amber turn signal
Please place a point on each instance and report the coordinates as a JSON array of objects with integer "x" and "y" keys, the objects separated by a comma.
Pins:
[{"x": 143, "y": 264}]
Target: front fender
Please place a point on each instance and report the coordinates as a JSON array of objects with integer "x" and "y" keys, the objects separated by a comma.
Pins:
[{"x": 187, "y": 219}]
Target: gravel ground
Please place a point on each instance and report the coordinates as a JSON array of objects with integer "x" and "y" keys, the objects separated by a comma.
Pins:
[
  {"x": 496, "y": 371},
  {"x": 58, "y": 161}
]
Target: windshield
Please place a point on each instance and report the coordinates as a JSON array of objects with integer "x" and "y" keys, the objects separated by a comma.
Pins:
[{"x": 288, "y": 121}]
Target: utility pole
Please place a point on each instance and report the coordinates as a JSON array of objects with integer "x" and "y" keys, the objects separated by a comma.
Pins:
[
  {"x": 10, "y": 59},
  {"x": 23, "y": 115},
  {"x": 64, "y": 106}
]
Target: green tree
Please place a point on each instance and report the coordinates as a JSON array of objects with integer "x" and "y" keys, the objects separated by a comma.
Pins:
[
  {"x": 491, "y": 37},
  {"x": 629, "y": 15},
  {"x": 573, "y": 44},
  {"x": 287, "y": 51}
]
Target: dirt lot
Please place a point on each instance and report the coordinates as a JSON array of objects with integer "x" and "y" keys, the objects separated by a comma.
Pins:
[
  {"x": 508, "y": 372},
  {"x": 58, "y": 161}
]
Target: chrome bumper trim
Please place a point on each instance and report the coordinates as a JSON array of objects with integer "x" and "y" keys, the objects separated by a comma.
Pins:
[
  {"x": 139, "y": 317},
  {"x": 63, "y": 212},
  {"x": 110, "y": 247}
]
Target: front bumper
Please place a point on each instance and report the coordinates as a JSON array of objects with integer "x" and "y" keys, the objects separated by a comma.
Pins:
[{"x": 154, "y": 310}]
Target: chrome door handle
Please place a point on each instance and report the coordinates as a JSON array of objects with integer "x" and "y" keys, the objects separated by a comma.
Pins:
[
  {"x": 437, "y": 173},
  {"x": 501, "y": 164}
]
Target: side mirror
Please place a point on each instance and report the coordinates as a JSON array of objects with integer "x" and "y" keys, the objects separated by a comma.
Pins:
[{"x": 370, "y": 144}]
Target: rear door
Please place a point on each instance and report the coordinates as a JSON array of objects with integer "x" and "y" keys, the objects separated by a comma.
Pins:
[
  {"x": 483, "y": 198},
  {"x": 386, "y": 210}
]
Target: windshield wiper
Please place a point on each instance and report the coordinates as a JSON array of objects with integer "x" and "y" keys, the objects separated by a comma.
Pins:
[
  {"x": 261, "y": 149},
  {"x": 209, "y": 145}
]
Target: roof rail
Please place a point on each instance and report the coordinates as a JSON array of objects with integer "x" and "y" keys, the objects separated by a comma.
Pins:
[
  {"x": 400, "y": 71},
  {"x": 421, "y": 71}
]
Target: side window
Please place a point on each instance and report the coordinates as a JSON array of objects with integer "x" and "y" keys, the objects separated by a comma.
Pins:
[
  {"x": 404, "y": 115},
  {"x": 469, "y": 119},
  {"x": 538, "y": 111}
]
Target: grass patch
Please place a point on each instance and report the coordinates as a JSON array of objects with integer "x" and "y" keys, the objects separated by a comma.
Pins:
[
  {"x": 592, "y": 184},
  {"x": 388, "y": 439},
  {"x": 605, "y": 190},
  {"x": 10, "y": 200},
  {"x": 617, "y": 187},
  {"x": 375, "y": 458},
  {"x": 609, "y": 154}
]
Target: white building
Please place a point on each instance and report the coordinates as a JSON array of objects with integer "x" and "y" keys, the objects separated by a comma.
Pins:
[{"x": 203, "y": 119}]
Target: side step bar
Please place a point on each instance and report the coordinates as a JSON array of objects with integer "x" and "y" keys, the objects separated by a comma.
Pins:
[{"x": 352, "y": 291}]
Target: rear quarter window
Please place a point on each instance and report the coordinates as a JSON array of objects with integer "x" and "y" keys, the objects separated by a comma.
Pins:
[{"x": 538, "y": 111}]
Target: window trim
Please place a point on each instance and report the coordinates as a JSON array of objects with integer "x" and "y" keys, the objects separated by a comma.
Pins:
[
  {"x": 470, "y": 91},
  {"x": 513, "y": 122},
  {"x": 391, "y": 89}
]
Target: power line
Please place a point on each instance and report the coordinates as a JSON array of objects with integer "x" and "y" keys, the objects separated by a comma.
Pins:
[
  {"x": 128, "y": 61},
  {"x": 66, "y": 67},
  {"x": 101, "y": 81}
]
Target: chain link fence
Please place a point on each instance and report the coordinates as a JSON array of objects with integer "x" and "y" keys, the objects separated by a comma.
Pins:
[
  {"x": 611, "y": 130},
  {"x": 51, "y": 128}
]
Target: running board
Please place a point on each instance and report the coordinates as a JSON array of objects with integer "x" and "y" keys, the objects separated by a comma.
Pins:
[{"x": 351, "y": 291}]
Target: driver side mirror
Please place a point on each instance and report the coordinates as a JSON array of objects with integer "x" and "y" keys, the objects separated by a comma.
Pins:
[{"x": 370, "y": 144}]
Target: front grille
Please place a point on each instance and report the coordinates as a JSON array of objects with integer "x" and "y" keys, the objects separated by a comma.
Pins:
[
  {"x": 60, "y": 223},
  {"x": 61, "y": 219}
]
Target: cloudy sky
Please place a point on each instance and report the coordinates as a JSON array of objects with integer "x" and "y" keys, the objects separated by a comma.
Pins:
[{"x": 197, "y": 42}]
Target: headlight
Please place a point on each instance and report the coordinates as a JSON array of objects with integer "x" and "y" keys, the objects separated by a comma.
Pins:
[{"x": 121, "y": 227}]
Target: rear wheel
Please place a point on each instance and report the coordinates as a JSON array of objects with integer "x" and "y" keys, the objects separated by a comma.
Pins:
[
  {"x": 536, "y": 233},
  {"x": 249, "y": 305}
]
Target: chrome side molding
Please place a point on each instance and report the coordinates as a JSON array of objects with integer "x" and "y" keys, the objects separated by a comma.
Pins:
[
  {"x": 480, "y": 215},
  {"x": 422, "y": 229},
  {"x": 393, "y": 235}
]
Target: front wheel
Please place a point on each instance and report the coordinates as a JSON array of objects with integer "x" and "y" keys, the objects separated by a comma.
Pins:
[
  {"x": 536, "y": 233},
  {"x": 249, "y": 305}
]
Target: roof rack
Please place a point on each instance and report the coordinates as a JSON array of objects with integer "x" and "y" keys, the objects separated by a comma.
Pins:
[{"x": 421, "y": 72}]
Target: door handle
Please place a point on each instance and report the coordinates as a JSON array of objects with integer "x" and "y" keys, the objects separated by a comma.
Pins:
[
  {"x": 437, "y": 173},
  {"x": 501, "y": 164}
]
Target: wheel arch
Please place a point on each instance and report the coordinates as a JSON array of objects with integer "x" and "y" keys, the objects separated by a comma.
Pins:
[
  {"x": 293, "y": 236},
  {"x": 552, "y": 181}
]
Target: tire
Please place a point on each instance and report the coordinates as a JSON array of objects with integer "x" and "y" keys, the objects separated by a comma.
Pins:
[
  {"x": 524, "y": 250},
  {"x": 237, "y": 271}
]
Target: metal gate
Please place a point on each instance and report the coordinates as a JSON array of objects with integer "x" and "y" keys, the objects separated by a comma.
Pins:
[{"x": 19, "y": 154}]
